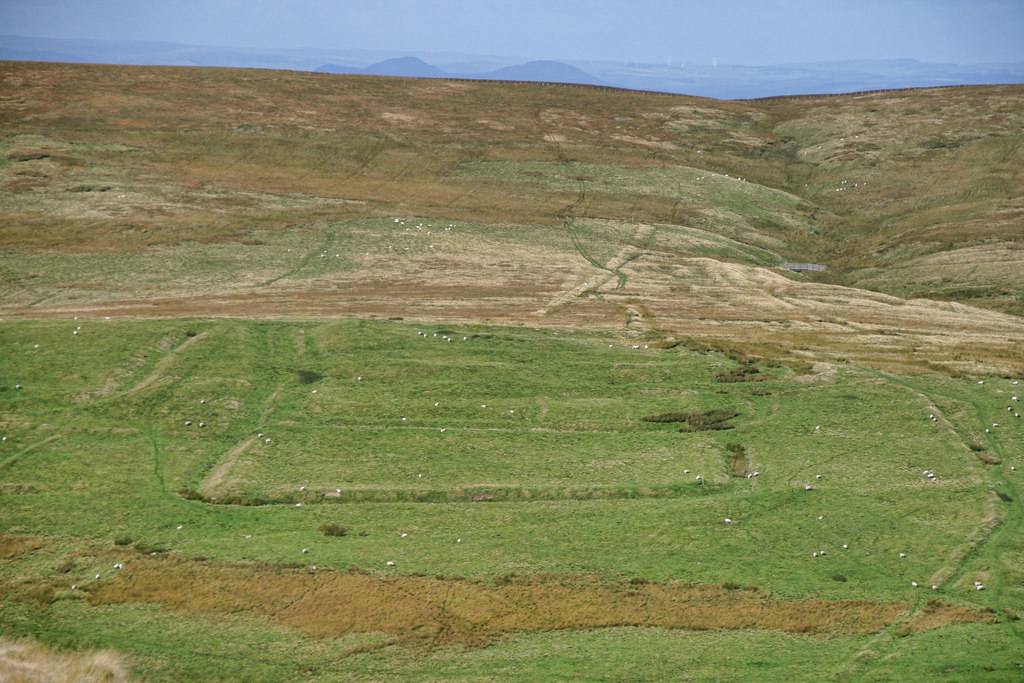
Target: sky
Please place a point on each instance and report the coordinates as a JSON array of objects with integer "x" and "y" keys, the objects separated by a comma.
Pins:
[{"x": 749, "y": 32}]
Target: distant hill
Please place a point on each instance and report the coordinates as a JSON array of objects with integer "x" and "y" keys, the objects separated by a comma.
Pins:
[
  {"x": 407, "y": 67},
  {"x": 722, "y": 81},
  {"x": 544, "y": 71}
]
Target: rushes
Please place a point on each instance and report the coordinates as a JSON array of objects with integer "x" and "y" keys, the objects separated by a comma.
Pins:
[{"x": 709, "y": 420}]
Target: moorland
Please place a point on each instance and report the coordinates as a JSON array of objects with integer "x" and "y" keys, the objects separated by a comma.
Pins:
[{"x": 324, "y": 377}]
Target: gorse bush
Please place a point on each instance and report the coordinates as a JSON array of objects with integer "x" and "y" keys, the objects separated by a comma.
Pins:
[{"x": 333, "y": 529}]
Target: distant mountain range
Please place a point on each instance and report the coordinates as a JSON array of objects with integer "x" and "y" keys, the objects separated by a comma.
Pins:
[
  {"x": 542, "y": 70},
  {"x": 721, "y": 81}
]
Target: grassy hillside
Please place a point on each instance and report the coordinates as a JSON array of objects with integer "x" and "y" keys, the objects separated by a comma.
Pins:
[{"x": 312, "y": 377}]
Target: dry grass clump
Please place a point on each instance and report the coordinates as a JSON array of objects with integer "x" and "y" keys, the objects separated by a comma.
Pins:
[
  {"x": 27, "y": 661},
  {"x": 423, "y": 611}
]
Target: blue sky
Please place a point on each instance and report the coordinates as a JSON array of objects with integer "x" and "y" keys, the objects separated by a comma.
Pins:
[{"x": 652, "y": 31}]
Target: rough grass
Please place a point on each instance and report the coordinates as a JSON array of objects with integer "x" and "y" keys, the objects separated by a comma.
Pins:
[
  {"x": 584, "y": 208},
  {"x": 26, "y": 661}
]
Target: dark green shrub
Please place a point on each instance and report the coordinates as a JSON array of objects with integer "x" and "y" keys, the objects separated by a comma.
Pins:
[{"x": 333, "y": 529}]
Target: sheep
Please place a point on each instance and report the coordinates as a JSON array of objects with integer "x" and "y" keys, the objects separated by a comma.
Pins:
[
  {"x": 305, "y": 550},
  {"x": 914, "y": 584},
  {"x": 903, "y": 554},
  {"x": 390, "y": 563},
  {"x": 934, "y": 587}
]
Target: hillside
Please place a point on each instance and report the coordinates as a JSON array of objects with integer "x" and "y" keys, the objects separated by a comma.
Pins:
[
  {"x": 574, "y": 206},
  {"x": 346, "y": 377}
]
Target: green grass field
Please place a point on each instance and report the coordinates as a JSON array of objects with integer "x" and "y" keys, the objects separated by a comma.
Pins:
[{"x": 574, "y": 483}]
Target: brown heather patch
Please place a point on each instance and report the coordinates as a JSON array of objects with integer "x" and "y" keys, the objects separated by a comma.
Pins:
[
  {"x": 431, "y": 612},
  {"x": 12, "y": 546},
  {"x": 937, "y": 614}
]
